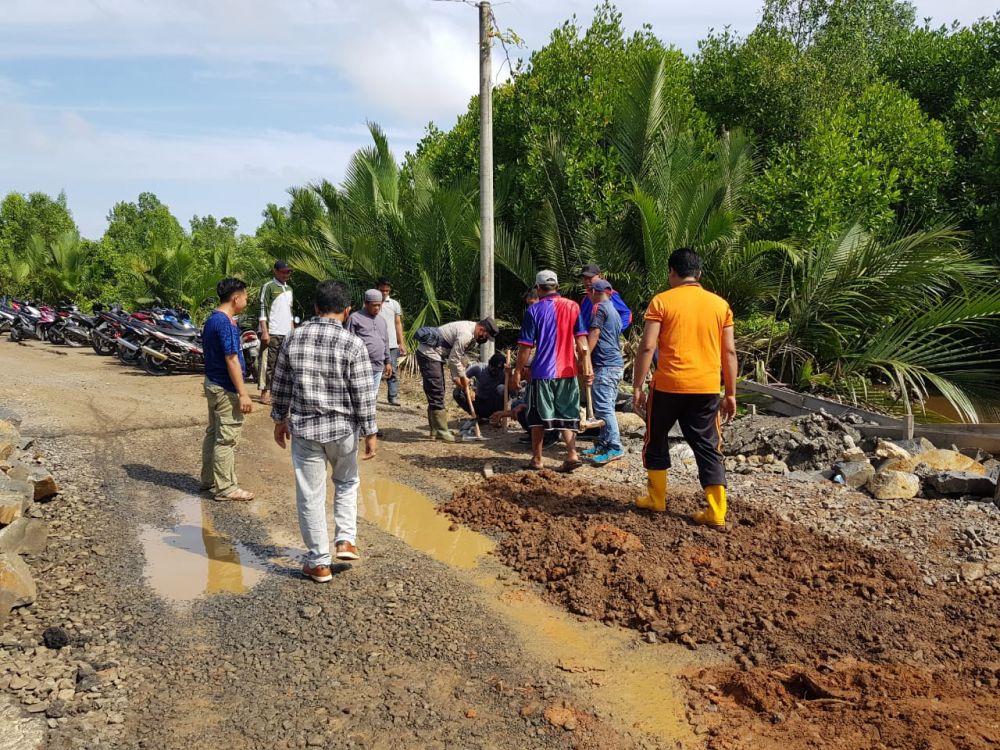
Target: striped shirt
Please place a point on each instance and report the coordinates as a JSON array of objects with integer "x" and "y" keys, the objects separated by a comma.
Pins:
[
  {"x": 323, "y": 383},
  {"x": 551, "y": 325}
]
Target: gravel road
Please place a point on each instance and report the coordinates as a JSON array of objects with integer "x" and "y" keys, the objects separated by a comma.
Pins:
[{"x": 400, "y": 650}]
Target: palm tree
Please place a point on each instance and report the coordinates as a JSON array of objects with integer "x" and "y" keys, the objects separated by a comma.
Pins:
[
  {"x": 374, "y": 224},
  {"x": 909, "y": 311}
]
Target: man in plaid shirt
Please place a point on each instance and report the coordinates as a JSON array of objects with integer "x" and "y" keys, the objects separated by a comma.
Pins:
[{"x": 322, "y": 399}]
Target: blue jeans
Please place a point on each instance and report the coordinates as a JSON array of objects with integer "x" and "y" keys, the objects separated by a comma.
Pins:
[
  {"x": 393, "y": 381},
  {"x": 377, "y": 380},
  {"x": 604, "y": 393}
]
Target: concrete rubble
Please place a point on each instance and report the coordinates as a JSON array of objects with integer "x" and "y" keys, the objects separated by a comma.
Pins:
[
  {"x": 822, "y": 448},
  {"x": 23, "y": 482}
]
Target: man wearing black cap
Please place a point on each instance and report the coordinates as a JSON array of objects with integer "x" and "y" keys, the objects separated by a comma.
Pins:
[
  {"x": 275, "y": 320},
  {"x": 589, "y": 275},
  {"x": 447, "y": 344}
]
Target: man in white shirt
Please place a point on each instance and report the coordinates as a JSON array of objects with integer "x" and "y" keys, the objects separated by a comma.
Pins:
[
  {"x": 392, "y": 312},
  {"x": 275, "y": 320}
]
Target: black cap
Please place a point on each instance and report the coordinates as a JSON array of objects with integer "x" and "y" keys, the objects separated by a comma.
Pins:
[
  {"x": 281, "y": 265},
  {"x": 591, "y": 270},
  {"x": 490, "y": 326}
]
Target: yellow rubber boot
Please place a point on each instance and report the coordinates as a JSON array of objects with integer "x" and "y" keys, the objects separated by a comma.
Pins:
[
  {"x": 715, "y": 514},
  {"x": 656, "y": 491}
]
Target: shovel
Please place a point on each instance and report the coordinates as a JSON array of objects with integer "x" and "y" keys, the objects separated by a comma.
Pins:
[
  {"x": 589, "y": 422},
  {"x": 475, "y": 418},
  {"x": 506, "y": 391}
]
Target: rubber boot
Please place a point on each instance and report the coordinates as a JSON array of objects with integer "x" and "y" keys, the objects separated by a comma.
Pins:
[
  {"x": 715, "y": 514},
  {"x": 656, "y": 491},
  {"x": 439, "y": 426}
]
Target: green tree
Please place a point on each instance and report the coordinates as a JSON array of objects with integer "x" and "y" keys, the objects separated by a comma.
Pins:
[
  {"x": 21, "y": 218},
  {"x": 873, "y": 157}
]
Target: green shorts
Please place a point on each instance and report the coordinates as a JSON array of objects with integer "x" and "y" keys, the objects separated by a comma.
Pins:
[{"x": 554, "y": 404}]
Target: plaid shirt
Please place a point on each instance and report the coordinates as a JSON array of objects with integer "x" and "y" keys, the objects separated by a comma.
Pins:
[{"x": 323, "y": 383}]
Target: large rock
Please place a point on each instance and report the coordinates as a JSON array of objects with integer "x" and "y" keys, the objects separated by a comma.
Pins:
[
  {"x": 630, "y": 424},
  {"x": 915, "y": 447},
  {"x": 962, "y": 483},
  {"x": 25, "y": 536},
  {"x": 893, "y": 485},
  {"x": 9, "y": 438},
  {"x": 16, "y": 584},
  {"x": 941, "y": 459},
  {"x": 888, "y": 449},
  {"x": 907, "y": 465},
  {"x": 856, "y": 473},
  {"x": 43, "y": 482}
]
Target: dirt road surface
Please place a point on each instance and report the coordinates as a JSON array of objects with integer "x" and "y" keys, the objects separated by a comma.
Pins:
[
  {"x": 544, "y": 611},
  {"x": 203, "y": 635}
]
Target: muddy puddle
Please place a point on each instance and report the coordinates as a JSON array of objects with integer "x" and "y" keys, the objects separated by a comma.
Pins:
[
  {"x": 413, "y": 517},
  {"x": 192, "y": 559},
  {"x": 634, "y": 684}
]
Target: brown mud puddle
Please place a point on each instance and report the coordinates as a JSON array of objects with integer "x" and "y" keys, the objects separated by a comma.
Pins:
[
  {"x": 889, "y": 658},
  {"x": 638, "y": 688},
  {"x": 192, "y": 559}
]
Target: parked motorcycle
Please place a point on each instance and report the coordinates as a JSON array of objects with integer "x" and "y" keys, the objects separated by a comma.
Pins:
[{"x": 32, "y": 322}]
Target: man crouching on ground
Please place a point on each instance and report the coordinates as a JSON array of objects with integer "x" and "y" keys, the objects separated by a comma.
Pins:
[{"x": 322, "y": 398}]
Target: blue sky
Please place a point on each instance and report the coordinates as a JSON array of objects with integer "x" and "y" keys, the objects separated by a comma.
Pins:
[{"x": 218, "y": 106}]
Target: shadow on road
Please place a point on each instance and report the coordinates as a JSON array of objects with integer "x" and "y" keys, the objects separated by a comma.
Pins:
[{"x": 172, "y": 479}]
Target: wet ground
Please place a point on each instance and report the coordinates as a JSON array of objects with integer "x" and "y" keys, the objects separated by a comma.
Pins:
[
  {"x": 544, "y": 612},
  {"x": 215, "y": 640}
]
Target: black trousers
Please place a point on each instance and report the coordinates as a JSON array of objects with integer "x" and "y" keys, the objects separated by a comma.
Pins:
[
  {"x": 432, "y": 373},
  {"x": 484, "y": 406},
  {"x": 698, "y": 415}
]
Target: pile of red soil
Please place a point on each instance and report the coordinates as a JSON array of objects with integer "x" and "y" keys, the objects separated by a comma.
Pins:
[{"x": 768, "y": 592}]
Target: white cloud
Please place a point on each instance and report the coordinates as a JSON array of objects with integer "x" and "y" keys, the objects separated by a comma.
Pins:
[{"x": 202, "y": 172}]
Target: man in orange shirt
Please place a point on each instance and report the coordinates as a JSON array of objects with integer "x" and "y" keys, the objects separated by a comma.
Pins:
[{"x": 693, "y": 332}]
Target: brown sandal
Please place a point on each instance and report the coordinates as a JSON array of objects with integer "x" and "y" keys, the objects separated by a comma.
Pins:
[
  {"x": 237, "y": 494},
  {"x": 568, "y": 467}
]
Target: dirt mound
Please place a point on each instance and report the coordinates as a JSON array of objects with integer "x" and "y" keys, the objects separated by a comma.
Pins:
[
  {"x": 770, "y": 593},
  {"x": 871, "y": 706}
]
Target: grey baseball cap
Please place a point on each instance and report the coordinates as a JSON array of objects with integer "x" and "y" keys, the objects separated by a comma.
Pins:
[{"x": 546, "y": 278}]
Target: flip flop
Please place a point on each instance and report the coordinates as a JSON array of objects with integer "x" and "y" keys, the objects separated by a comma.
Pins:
[
  {"x": 568, "y": 467},
  {"x": 531, "y": 467},
  {"x": 237, "y": 494}
]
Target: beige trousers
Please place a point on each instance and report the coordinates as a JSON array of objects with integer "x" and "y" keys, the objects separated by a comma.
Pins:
[{"x": 218, "y": 450}]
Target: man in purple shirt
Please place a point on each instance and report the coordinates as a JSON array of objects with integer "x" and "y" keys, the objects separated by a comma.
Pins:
[{"x": 553, "y": 329}]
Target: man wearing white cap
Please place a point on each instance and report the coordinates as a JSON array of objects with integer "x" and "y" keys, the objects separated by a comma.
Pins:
[
  {"x": 371, "y": 328},
  {"x": 553, "y": 329}
]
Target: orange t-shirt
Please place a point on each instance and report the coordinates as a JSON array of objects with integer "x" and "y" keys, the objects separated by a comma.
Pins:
[{"x": 690, "y": 345}]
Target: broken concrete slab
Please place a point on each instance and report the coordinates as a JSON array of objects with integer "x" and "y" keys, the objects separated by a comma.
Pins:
[
  {"x": 893, "y": 485},
  {"x": 808, "y": 476},
  {"x": 856, "y": 473},
  {"x": 25, "y": 536},
  {"x": 41, "y": 479},
  {"x": 16, "y": 580},
  {"x": 962, "y": 483}
]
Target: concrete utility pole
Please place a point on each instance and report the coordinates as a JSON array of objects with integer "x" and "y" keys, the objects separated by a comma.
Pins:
[{"x": 486, "y": 308}]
